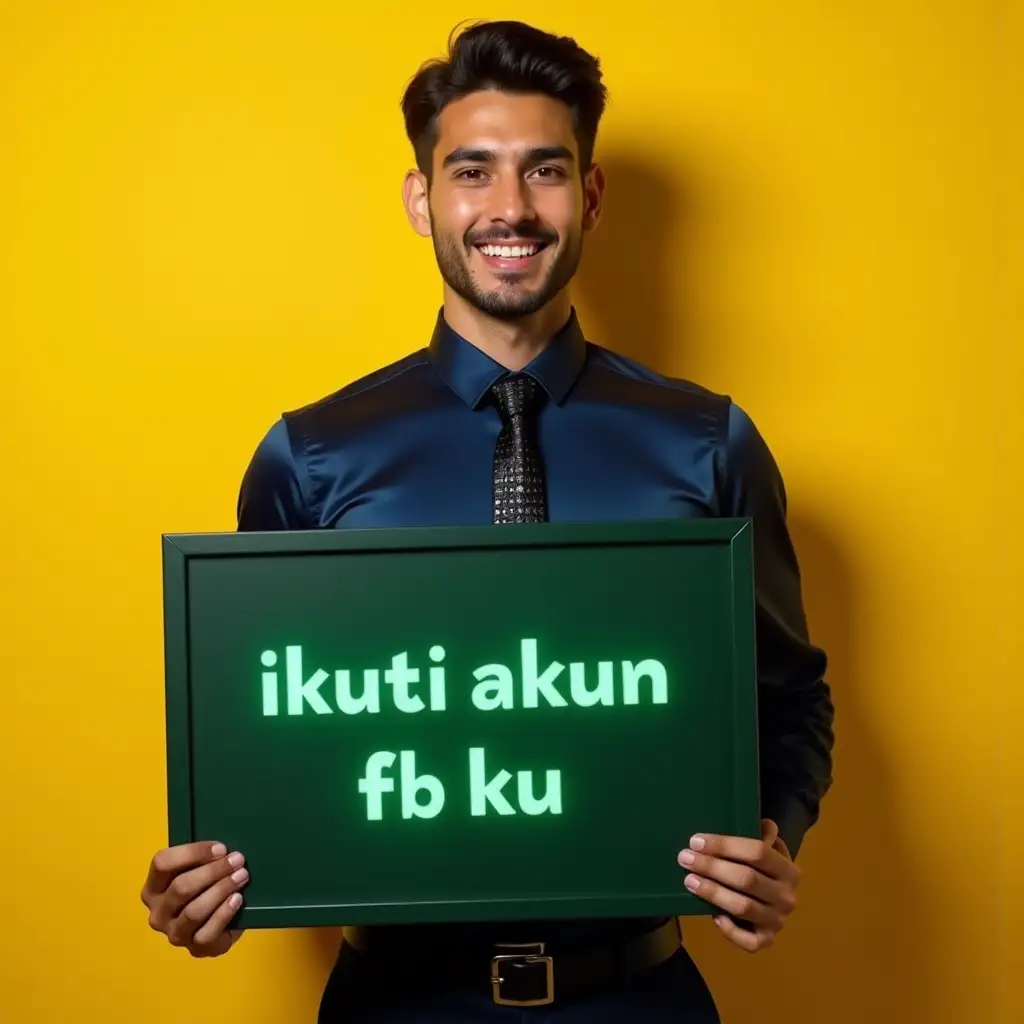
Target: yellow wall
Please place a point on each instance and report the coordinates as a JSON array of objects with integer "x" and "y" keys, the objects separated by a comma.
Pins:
[{"x": 200, "y": 217}]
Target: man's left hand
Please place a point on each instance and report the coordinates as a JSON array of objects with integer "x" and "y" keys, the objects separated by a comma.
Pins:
[{"x": 754, "y": 880}]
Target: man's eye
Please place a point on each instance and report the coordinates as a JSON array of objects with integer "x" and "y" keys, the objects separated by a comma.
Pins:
[
  {"x": 549, "y": 172},
  {"x": 469, "y": 173}
]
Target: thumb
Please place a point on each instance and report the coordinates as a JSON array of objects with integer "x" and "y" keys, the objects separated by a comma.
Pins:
[{"x": 769, "y": 831}]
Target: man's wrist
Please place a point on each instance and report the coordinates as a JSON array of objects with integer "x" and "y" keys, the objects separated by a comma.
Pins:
[{"x": 793, "y": 819}]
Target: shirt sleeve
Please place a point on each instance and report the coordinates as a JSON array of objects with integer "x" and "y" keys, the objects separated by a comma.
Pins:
[
  {"x": 271, "y": 496},
  {"x": 795, "y": 709}
]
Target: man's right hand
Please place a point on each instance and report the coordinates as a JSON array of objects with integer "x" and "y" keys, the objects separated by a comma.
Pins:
[{"x": 192, "y": 893}]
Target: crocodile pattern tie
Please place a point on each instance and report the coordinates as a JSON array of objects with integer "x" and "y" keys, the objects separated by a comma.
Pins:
[{"x": 519, "y": 494}]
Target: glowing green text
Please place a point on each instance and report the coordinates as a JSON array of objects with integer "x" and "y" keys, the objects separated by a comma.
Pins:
[
  {"x": 498, "y": 687},
  {"x": 486, "y": 795},
  {"x": 392, "y": 783}
]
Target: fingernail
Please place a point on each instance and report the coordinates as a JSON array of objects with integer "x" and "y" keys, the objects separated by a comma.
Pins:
[
  {"x": 697, "y": 842},
  {"x": 240, "y": 876},
  {"x": 218, "y": 849},
  {"x": 236, "y": 901},
  {"x": 692, "y": 883},
  {"x": 236, "y": 860},
  {"x": 687, "y": 857}
]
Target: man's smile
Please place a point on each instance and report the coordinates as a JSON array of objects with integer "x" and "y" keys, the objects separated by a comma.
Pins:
[{"x": 514, "y": 255}]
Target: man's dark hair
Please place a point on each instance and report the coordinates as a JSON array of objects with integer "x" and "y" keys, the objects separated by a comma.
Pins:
[{"x": 511, "y": 57}]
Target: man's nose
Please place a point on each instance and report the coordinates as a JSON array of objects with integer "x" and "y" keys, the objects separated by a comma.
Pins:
[{"x": 511, "y": 200}]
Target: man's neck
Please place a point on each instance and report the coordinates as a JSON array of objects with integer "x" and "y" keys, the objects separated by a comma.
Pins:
[{"x": 512, "y": 343}]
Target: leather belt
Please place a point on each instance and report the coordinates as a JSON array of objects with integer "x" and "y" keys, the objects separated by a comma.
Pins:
[
  {"x": 527, "y": 974},
  {"x": 529, "y": 977}
]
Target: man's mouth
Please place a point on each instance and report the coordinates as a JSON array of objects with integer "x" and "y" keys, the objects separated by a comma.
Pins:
[{"x": 514, "y": 256}]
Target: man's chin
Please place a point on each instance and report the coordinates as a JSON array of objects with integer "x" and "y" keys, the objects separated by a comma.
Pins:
[
  {"x": 504, "y": 307},
  {"x": 510, "y": 299}
]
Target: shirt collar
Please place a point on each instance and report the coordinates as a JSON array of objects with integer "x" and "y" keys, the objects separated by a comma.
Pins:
[{"x": 469, "y": 372}]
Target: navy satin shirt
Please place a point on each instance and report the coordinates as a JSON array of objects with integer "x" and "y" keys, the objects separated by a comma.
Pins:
[{"x": 412, "y": 444}]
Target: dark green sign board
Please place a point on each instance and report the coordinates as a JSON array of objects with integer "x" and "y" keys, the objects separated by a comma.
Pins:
[{"x": 462, "y": 724}]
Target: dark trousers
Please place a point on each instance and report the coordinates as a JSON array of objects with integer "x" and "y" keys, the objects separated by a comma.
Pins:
[{"x": 363, "y": 992}]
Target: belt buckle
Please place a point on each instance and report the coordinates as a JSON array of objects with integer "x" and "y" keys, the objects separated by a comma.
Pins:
[{"x": 535, "y": 963}]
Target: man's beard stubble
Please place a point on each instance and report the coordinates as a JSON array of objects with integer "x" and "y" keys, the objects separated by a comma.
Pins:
[{"x": 507, "y": 302}]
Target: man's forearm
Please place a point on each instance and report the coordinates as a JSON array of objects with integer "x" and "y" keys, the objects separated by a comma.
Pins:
[{"x": 796, "y": 730}]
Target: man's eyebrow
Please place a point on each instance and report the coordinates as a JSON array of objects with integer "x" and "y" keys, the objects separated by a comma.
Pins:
[
  {"x": 542, "y": 153},
  {"x": 467, "y": 154}
]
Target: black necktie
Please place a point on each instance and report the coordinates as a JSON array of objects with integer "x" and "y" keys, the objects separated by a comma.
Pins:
[{"x": 519, "y": 495}]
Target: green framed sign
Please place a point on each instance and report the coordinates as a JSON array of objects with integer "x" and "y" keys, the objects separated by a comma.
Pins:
[{"x": 462, "y": 723}]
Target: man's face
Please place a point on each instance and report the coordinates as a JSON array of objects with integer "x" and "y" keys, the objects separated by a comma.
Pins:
[{"x": 507, "y": 205}]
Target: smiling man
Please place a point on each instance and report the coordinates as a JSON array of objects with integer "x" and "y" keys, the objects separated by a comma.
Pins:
[
  {"x": 516, "y": 262},
  {"x": 509, "y": 414}
]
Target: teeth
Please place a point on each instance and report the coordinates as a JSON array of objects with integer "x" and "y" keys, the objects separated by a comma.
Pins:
[{"x": 509, "y": 251}]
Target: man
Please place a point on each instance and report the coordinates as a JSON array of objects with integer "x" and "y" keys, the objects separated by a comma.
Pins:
[{"x": 509, "y": 415}]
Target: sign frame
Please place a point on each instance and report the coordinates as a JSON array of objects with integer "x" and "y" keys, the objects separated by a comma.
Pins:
[{"x": 180, "y": 549}]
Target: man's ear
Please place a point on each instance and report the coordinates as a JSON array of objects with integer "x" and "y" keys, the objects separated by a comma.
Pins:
[
  {"x": 593, "y": 196},
  {"x": 415, "y": 195}
]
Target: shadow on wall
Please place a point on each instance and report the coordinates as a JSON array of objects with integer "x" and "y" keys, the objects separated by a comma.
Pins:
[
  {"x": 634, "y": 261},
  {"x": 855, "y": 949}
]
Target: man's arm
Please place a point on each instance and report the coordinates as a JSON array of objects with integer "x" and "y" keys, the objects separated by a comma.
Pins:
[
  {"x": 755, "y": 881},
  {"x": 795, "y": 710},
  {"x": 272, "y": 495}
]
